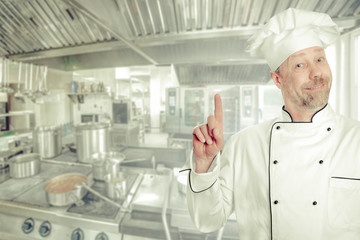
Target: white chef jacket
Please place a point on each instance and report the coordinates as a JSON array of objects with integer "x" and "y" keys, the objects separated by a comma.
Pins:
[{"x": 284, "y": 180}]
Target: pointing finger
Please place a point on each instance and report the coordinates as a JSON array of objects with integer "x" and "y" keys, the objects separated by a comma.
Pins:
[{"x": 218, "y": 109}]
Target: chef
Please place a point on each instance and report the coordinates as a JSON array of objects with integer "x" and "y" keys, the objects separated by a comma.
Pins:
[{"x": 294, "y": 177}]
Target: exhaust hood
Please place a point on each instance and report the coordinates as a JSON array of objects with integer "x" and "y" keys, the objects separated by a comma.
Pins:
[{"x": 83, "y": 34}]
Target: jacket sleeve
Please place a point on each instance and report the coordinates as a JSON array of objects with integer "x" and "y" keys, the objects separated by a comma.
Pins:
[{"x": 210, "y": 195}]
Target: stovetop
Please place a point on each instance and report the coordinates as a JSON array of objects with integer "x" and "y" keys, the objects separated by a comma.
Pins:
[
  {"x": 31, "y": 191},
  {"x": 94, "y": 206}
]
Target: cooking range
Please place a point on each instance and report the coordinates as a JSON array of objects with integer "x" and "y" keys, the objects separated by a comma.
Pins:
[{"x": 26, "y": 214}]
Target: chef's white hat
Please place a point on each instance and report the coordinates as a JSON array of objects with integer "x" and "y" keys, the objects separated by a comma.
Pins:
[{"x": 290, "y": 31}]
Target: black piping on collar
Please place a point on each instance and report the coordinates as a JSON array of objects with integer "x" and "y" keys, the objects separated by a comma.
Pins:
[{"x": 283, "y": 108}]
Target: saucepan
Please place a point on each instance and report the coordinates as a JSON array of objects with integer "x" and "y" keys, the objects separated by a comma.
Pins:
[
  {"x": 62, "y": 190},
  {"x": 24, "y": 165},
  {"x": 108, "y": 163},
  {"x": 70, "y": 188}
]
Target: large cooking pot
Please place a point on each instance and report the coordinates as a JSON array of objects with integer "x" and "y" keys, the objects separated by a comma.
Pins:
[
  {"x": 91, "y": 138},
  {"x": 47, "y": 141},
  {"x": 63, "y": 190},
  {"x": 24, "y": 165}
]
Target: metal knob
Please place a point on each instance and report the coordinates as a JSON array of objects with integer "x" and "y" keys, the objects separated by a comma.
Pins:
[
  {"x": 45, "y": 229},
  {"x": 28, "y": 225},
  {"x": 102, "y": 236},
  {"x": 77, "y": 234}
]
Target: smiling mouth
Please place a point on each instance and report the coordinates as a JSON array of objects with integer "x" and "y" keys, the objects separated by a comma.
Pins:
[{"x": 316, "y": 87}]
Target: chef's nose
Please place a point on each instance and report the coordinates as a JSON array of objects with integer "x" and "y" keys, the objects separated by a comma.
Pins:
[{"x": 315, "y": 71}]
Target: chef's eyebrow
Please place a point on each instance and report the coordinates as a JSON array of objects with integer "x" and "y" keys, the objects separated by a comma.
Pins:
[{"x": 316, "y": 50}]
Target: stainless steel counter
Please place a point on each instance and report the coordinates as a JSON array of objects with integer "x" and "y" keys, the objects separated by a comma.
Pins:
[{"x": 159, "y": 209}]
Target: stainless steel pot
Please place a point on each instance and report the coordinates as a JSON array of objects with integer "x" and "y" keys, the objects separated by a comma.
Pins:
[
  {"x": 106, "y": 163},
  {"x": 91, "y": 138},
  {"x": 116, "y": 186},
  {"x": 48, "y": 141},
  {"x": 24, "y": 165},
  {"x": 63, "y": 190},
  {"x": 70, "y": 188}
]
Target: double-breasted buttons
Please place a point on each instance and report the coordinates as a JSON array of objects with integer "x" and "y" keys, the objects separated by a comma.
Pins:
[
  {"x": 275, "y": 162},
  {"x": 276, "y": 202},
  {"x": 328, "y": 129},
  {"x": 321, "y": 161},
  {"x": 314, "y": 203}
]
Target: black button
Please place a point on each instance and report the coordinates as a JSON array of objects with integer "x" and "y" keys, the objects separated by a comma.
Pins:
[
  {"x": 328, "y": 129},
  {"x": 276, "y": 202},
  {"x": 276, "y": 162},
  {"x": 278, "y": 127},
  {"x": 321, "y": 161},
  {"x": 314, "y": 203}
]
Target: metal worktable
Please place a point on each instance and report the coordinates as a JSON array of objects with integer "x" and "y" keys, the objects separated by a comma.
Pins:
[{"x": 159, "y": 210}]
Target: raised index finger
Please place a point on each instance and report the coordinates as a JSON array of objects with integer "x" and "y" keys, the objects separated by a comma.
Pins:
[{"x": 218, "y": 109}]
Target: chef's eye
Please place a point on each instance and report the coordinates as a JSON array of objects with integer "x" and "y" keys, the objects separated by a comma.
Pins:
[
  {"x": 299, "y": 65},
  {"x": 320, "y": 59}
]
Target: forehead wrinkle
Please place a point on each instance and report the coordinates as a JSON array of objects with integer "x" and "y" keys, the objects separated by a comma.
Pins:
[{"x": 314, "y": 50}]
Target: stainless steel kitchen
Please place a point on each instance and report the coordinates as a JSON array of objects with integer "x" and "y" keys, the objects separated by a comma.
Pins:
[{"x": 99, "y": 100}]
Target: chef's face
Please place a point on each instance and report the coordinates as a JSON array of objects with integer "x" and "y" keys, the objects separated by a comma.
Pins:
[{"x": 305, "y": 79}]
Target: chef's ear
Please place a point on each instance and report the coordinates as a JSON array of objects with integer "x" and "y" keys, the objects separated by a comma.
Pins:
[{"x": 276, "y": 78}]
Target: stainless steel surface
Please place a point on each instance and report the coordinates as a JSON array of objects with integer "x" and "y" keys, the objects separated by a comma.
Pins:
[
  {"x": 47, "y": 141},
  {"x": 150, "y": 217},
  {"x": 18, "y": 95},
  {"x": 26, "y": 198},
  {"x": 116, "y": 186},
  {"x": 4, "y": 171},
  {"x": 106, "y": 163},
  {"x": 91, "y": 138},
  {"x": 99, "y": 34},
  {"x": 61, "y": 190},
  {"x": 24, "y": 165},
  {"x": 111, "y": 201}
]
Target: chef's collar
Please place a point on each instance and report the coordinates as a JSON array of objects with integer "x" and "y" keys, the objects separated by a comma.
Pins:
[{"x": 320, "y": 116}]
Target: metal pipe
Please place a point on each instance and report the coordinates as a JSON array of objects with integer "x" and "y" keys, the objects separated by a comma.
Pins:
[
  {"x": 82, "y": 10},
  {"x": 165, "y": 206}
]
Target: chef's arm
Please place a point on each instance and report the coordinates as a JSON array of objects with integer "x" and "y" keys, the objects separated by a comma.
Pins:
[{"x": 210, "y": 195}]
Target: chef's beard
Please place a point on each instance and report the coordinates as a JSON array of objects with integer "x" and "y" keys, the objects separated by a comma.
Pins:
[{"x": 315, "y": 100}]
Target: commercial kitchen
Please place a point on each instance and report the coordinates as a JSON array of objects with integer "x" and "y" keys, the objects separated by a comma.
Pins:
[{"x": 98, "y": 100}]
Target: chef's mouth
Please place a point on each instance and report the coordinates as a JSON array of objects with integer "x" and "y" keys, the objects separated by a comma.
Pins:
[{"x": 317, "y": 87}]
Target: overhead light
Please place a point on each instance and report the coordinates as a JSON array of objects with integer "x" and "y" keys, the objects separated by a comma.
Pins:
[{"x": 122, "y": 73}]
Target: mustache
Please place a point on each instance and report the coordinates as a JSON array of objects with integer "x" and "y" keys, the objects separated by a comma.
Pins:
[{"x": 316, "y": 82}]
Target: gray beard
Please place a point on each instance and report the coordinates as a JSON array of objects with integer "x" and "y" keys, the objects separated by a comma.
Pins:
[{"x": 315, "y": 101}]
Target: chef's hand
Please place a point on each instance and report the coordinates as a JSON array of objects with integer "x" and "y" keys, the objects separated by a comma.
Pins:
[{"x": 208, "y": 139}]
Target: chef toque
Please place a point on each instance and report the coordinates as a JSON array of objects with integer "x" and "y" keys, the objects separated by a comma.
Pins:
[{"x": 290, "y": 31}]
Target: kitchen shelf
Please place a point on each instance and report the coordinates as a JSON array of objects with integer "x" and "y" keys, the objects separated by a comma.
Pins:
[{"x": 80, "y": 97}]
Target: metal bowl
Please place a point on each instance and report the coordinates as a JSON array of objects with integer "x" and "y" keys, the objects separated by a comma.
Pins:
[{"x": 24, "y": 165}]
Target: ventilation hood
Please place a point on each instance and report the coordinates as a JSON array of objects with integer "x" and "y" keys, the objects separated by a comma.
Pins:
[{"x": 84, "y": 34}]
